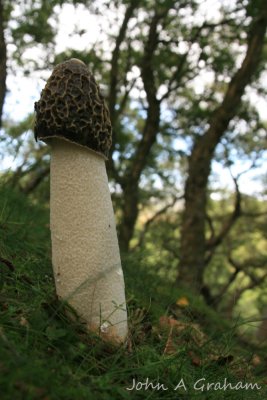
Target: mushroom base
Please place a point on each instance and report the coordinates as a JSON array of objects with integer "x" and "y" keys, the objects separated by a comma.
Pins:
[{"x": 85, "y": 252}]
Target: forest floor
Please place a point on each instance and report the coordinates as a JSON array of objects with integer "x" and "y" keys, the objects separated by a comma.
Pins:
[{"x": 178, "y": 347}]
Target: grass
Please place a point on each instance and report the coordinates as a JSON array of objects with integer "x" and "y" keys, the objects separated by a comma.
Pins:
[{"x": 44, "y": 355}]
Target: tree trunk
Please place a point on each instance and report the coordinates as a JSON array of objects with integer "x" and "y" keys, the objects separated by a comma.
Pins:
[
  {"x": 129, "y": 215},
  {"x": 193, "y": 243},
  {"x": 193, "y": 224},
  {"x": 139, "y": 161},
  {"x": 2, "y": 62},
  {"x": 130, "y": 184}
]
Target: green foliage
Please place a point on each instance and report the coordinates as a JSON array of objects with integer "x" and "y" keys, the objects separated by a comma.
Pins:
[
  {"x": 35, "y": 23},
  {"x": 187, "y": 49},
  {"x": 16, "y": 130}
]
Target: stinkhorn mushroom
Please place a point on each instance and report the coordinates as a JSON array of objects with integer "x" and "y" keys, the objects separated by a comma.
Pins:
[{"x": 71, "y": 116}]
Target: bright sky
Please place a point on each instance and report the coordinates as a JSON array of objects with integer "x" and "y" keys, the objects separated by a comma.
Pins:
[{"x": 24, "y": 91}]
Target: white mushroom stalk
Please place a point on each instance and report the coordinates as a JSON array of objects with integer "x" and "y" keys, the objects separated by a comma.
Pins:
[{"x": 72, "y": 117}]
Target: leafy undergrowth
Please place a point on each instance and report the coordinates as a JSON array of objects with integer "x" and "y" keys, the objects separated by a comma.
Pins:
[{"x": 175, "y": 339}]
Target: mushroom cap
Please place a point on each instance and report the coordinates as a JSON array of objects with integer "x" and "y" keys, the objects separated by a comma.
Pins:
[{"x": 71, "y": 107}]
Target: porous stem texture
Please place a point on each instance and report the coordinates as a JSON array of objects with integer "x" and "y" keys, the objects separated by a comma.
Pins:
[{"x": 85, "y": 251}]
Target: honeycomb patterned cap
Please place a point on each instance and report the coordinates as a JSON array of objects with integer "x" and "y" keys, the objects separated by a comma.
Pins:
[{"x": 71, "y": 107}]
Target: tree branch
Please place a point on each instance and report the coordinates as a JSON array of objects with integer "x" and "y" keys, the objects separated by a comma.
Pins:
[
  {"x": 113, "y": 84},
  {"x": 154, "y": 218},
  {"x": 232, "y": 99},
  {"x": 239, "y": 292},
  {"x": 254, "y": 281},
  {"x": 211, "y": 226},
  {"x": 215, "y": 241},
  {"x": 238, "y": 267},
  {"x": 217, "y": 298},
  {"x": 126, "y": 96},
  {"x": 179, "y": 71},
  {"x": 37, "y": 179},
  {"x": 153, "y": 112},
  {"x": 114, "y": 73}
]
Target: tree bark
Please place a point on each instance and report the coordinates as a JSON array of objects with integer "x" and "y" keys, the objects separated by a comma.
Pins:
[
  {"x": 193, "y": 242},
  {"x": 3, "y": 59}
]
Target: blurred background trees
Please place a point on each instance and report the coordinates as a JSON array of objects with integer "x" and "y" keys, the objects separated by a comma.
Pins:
[{"x": 185, "y": 83}]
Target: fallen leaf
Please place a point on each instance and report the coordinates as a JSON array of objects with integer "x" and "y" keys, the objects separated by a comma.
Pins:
[
  {"x": 167, "y": 322},
  {"x": 182, "y": 302},
  {"x": 169, "y": 347}
]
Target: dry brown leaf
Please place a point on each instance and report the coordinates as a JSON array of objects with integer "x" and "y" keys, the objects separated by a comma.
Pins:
[
  {"x": 167, "y": 322},
  {"x": 180, "y": 333},
  {"x": 169, "y": 347},
  {"x": 182, "y": 302}
]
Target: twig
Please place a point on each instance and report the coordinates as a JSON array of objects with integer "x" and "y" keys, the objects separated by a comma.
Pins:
[{"x": 7, "y": 263}]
